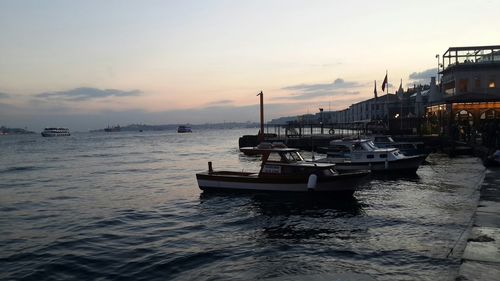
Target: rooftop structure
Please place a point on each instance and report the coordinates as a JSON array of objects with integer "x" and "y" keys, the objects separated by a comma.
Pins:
[
  {"x": 475, "y": 55},
  {"x": 470, "y": 71}
]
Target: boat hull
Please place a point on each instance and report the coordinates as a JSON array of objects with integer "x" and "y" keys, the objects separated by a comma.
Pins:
[
  {"x": 343, "y": 184},
  {"x": 407, "y": 165},
  {"x": 56, "y": 134}
]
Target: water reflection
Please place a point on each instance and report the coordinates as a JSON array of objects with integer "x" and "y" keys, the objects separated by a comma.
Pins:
[
  {"x": 306, "y": 204},
  {"x": 289, "y": 203},
  {"x": 395, "y": 176},
  {"x": 288, "y": 216}
]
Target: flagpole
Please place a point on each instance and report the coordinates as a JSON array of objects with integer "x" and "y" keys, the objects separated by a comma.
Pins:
[
  {"x": 387, "y": 98},
  {"x": 376, "y": 109},
  {"x": 401, "y": 101}
]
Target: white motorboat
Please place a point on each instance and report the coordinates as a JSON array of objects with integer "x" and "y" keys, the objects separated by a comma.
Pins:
[
  {"x": 362, "y": 154},
  {"x": 407, "y": 148},
  {"x": 282, "y": 169},
  {"x": 55, "y": 132}
]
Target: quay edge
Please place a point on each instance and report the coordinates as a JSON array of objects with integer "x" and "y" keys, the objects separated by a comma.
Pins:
[{"x": 481, "y": 257}]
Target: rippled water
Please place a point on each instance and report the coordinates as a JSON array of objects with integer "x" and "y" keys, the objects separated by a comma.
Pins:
[{"x": 125, "y": 206}]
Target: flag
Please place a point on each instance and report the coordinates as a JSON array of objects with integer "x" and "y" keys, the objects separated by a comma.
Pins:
[
  {"x": 375, "y": 89},
  {"x": 384, "y": 84}
]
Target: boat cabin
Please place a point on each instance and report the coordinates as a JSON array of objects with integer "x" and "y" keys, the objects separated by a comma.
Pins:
[
  {"x": 359, "y": 150},
  {"x": 407, "y": 148},
  {"x": 280, "y": 161},
  {"x": 383, "y": 139}
]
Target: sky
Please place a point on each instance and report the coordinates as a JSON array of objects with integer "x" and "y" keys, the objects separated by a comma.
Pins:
[{"x": 89, "y": 64}]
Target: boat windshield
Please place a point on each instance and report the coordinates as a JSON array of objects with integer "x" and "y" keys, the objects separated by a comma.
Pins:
[
  {"x": 382, "y": 139},
  {"x": 293, "y": 157},
  {"x": 285, "y": 157},
  {"x": 369, "y": 145}
]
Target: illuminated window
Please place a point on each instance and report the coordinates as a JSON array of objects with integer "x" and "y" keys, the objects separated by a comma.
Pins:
[{"x": 491, "y": 84}]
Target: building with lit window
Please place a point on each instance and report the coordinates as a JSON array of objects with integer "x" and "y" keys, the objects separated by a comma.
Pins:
[{"x": 469, "y": 93}]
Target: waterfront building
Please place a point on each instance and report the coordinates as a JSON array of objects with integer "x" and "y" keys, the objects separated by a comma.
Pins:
[
  {"x": 467, "y": 97},
  {"x": 470, "y": 91}
]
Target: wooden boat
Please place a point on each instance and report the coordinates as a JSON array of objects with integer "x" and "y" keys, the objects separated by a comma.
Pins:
[
  {"x": 284, "y": 170},
  {"x": 362, "y": 154}
]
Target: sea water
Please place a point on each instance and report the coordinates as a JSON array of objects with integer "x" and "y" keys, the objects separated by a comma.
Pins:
[{"x": 126, "y": 206}]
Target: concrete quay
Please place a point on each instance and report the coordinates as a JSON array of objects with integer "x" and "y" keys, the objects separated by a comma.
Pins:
[{"x": 481, "y": 257}]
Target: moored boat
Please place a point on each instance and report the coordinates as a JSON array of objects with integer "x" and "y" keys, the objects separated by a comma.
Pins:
[
  {"x": 362, "y": 154},
  {"x": 407, "y": 148},
  {"x": 284, "y": 170},
  {"x": 55, "y": 132}
]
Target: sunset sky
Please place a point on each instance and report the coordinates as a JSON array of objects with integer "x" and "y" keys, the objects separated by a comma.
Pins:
[{"x": 87, "y": 64}]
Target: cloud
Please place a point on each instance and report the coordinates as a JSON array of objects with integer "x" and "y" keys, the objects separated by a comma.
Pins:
[
  {"x": 317, "y": 94},
  {"x": 339, "y": 83},
  {"x": 336, "y": 88},
  {"x": 4, "y": 95},
  {"x": 219, "y": 102},
  {"x": 331, "y": 64},
  {"x": 86, "y": 93},
  {"x": 423, "y": 77}
]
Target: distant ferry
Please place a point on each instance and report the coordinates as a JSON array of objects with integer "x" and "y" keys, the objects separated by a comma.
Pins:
[
  {"x": 184, "y": 129},
  {"x": 55, "y": 132},
  {"x": 113, "y": 129}
]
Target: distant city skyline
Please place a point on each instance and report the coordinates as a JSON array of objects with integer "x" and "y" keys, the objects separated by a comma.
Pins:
[{"x": 87, "y": 64}]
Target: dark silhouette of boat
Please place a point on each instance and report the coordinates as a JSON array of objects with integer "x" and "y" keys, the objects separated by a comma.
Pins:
[
  {"x": 116, "y": 128},
  {"x": 184, "y": 129}
]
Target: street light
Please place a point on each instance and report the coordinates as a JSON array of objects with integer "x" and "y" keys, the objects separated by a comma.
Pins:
[
  {"x": 437, "y": 57},
  {"x": 321, "y": 118}
]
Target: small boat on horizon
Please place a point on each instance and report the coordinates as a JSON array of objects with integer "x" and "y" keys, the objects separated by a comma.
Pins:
[
  {"x": 282, "y": 170},
  {"x": 184, "y": 129},
  {"x": 362, "y": 154},
  {"x": 55, "y": 132},
  {"x": 116, "y": 128}
]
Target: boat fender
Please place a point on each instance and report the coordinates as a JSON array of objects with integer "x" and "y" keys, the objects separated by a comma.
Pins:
[
  {"x": 386, "y": 164},
  {"x": 311, "y": 182},
  {"x": 331, "y": 132}
]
